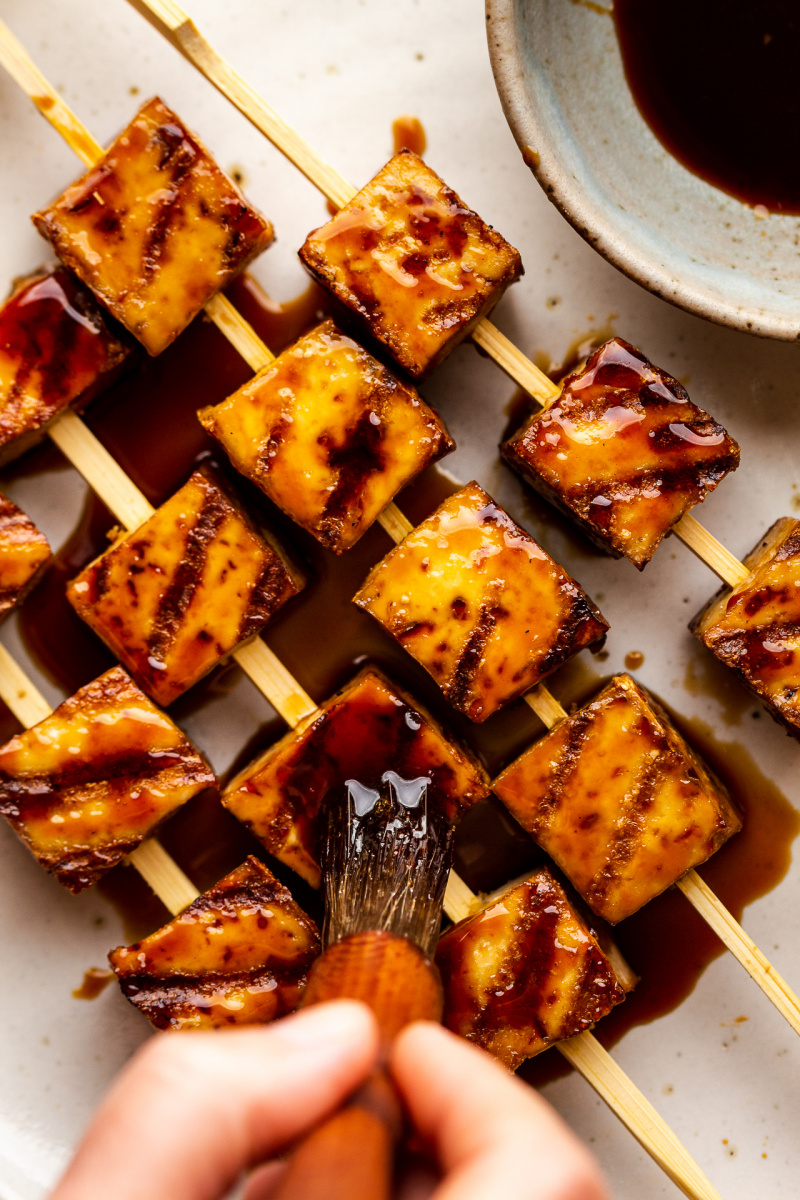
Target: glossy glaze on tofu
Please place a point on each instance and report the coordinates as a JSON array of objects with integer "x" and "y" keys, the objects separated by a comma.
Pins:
[
  {"x": 87, "y": 784},
  {"x": 55, "y": 350},
  {"x": 183, "y": 590},
  {"x": 618, "y": 800},
  {"x": 24, "y": 551},
  {"x": 525, "y": 972},
  {"x": 156, "y": 228},
  {"x": 755, "y": 628},
  {"x": 329, "y": 434},
  {"x": 413, "y": 261},
  {"x": 238, "y": 955},
  {"x": 479, "y": 604},
  {"x": 624, "y": 451},
  {"x": 366, "y": 727}
]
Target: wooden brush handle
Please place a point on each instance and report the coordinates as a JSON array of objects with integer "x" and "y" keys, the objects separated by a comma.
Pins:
[{"x": 351, "y": 1156}]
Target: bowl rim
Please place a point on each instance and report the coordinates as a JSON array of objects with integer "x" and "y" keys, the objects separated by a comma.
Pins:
[{"x": 573, "y": 202}]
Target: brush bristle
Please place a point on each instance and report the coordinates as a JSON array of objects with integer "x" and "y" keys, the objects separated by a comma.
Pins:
[{"x": 385, "y": 859}]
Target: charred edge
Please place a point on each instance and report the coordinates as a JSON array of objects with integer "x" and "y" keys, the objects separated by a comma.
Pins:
[
  {"x": 166, "y": 1001},
  {"x": 188, "y": 576},
  {"x": 273, "y": 587}
]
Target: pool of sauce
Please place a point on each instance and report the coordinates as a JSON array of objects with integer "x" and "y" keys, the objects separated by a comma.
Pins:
[
  {"x": 716, "y": 82},
  {"x": 147, "y": 420}
]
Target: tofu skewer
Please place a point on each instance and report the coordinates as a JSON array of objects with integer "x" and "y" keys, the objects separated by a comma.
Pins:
[
  {"x": 263, "y": 667},
  {"x": 176, "y": 26},
  {"x": 583, "y": 1051}
]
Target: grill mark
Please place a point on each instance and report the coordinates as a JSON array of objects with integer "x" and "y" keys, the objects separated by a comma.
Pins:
[
  {"x": 166, "y": 1002},
  {"x": 580, "y": 626},
  {"x": 33, "y": 796},
  {"x": 577, "y": 731},
  {"x": 179, "y": 160},
  {"x": 179, "y": 594},
  {"x": 360, "y": 456},
  {"x": 273, "y": 587},
  {"x": 82, "y": 868},
  {"x": 690, "y": 480},
  {"x": 267, "y": 457},
  {"x": 629, "y": 833},
  {"x": 469, "y": 660}
]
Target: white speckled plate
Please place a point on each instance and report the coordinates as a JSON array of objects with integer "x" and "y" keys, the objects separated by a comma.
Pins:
[
  {"x": 341, "y": 73},
  {"x": 559, "y": 72}
]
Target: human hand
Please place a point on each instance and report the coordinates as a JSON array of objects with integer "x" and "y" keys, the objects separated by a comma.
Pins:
[{"x": 193, "y": 1111}]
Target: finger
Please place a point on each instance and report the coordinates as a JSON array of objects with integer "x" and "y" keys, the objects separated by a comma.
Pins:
[
  {"x": 492, "y": 1135},
  {"x": 264, "y": 1181},
  {"x": 193, "y": 1110}
]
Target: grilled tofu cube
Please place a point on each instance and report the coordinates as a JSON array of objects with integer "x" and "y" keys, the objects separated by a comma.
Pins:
[
  {"x": 369, "y": 725},
  {"x": 618, "y": 800},
  {"x": 329, "y": 434},
  {"x": 525, "y": 972},
  {"x": 238, "y": 955},
  {"x": 479, "y": 604},
  {"x": 179, "y": 593},
  {"x": 55, "y": 350},
  {"x": 156, "y": 228},
  {"x": 413, "y": 261},
  {"x": 624, "y": 451},
  {"x": 24, "y": 551},
  {"x": 87, "y": 784},
  {"x": 753, "y": 628}
]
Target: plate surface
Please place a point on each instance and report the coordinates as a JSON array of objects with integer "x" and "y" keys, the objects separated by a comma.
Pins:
[
  {"x": 341, "y": 74},
  {"x": 559, "y": 73}
]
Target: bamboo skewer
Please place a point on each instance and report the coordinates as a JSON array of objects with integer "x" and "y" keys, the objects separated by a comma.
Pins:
[
  {"x": 176, "y": 26},
  {"x": 176, "y": 891}
]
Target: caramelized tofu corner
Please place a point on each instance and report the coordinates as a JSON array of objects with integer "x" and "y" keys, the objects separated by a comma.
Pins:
[
  {"x": 24, "y": 551},
  {"x": 479, "y": 604},
  {"x": 329, "y": 434},
  {"x": 178, "y": 594},
  {"x": 623, "y": 451},
  {"x": 87, "y": 784},
  {"x": 156, "y": 228},
  {"x": 238, "y": 955},
  {"x": 754, "y": 628},
  {"x": 618, "y": 800},
  {"x": 357, "y": 733},
  {"x": 56, "y": 350},
  {"x": 418, "y": 266},
  {"x": 525, "y": 972}
]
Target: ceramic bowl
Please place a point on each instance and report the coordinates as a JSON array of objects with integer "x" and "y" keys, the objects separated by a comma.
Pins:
[{"x": 558, "y": 70}]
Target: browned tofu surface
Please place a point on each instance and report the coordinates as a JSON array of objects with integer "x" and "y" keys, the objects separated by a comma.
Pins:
[
  {"x": 184, "y": 589},
  {"x": 525, "y": 972},
  {"x": 479, "y": 604},
  {"x": 618, "y": 800},
  {"x": 55, "y": 350},
  {"x": 156, "y": 228},
  {"x": 413, "y": 261},
  {"x": 238, "y": 955},
  {"x": 87, "y": 784},
  {"x": 623, "y": 450},
  {"x": 366, "y": 728},
  {"x": 23, "y": 553},
  {"x": 329, "y": 434},
  {"x": 755, "y": 628}
]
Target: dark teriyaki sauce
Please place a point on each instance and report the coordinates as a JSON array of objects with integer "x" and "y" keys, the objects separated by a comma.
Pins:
[{"x": 716, "y": 80}]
